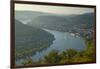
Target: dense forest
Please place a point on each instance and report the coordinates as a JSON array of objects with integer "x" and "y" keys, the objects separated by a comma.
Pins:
[{"x": 28, "y": 39}]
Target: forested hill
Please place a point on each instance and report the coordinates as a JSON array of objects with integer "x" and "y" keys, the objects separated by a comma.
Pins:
[
  {"x": 29, "y": 39},
  {"x": 56, "y": 21},
  {"x": 64, "y": 22}
]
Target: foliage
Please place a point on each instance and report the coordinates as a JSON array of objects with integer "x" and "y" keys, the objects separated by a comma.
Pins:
[{"x": 52, "y": 57}]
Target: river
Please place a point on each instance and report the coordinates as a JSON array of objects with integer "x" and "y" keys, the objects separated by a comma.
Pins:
[{"x": 63, "y": 41}]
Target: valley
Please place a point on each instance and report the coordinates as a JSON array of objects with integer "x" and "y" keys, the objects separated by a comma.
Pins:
[{"x": 38, "y": 33}]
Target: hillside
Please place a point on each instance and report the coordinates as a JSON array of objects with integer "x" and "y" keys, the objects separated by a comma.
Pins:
[
  {"x": 27, "y": 16},
  {"x": 64, "y": 23},
  {"x": 29, "y": 39}
]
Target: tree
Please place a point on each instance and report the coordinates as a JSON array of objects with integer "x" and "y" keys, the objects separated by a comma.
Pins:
[
  {"x": 70, "y": 53},
  {"x": 52, "y": 57}
]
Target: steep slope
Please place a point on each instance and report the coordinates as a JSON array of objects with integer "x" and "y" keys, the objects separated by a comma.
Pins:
[{"x": 29, "y": 39}]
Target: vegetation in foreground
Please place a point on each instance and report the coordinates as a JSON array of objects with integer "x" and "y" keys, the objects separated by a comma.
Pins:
[{"x": 67, "y": 57}]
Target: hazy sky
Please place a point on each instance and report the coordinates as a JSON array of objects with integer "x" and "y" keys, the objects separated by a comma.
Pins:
[{"x": 53, "y": 9}]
